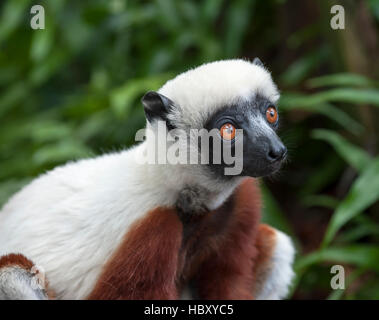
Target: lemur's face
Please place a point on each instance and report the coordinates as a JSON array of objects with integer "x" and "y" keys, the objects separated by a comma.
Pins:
[
  {"x": 225, "y": 96},
  {"x": 263, "y": 151}
]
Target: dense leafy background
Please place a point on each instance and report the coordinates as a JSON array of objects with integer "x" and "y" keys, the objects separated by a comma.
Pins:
[{"x": 73, "y": 89}]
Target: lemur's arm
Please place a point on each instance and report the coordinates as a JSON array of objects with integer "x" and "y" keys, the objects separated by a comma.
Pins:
[
  {"x": 273, "y": 271},
  {"x": 146, "y": 262}
]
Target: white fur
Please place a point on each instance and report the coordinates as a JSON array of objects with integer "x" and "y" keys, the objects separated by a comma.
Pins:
[
  {"x": 280, "y": 273},
  {"x": 201, "y": 91},
  {"x": 70, "y": 220}
]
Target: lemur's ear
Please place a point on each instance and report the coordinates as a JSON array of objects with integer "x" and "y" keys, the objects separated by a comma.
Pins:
[
  {"x": 258, "y": 62},
  {"x": 156, "y": 105}
]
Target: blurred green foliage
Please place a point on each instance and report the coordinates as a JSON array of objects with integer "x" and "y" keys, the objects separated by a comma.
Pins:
[{"x": 73, "y": 90}]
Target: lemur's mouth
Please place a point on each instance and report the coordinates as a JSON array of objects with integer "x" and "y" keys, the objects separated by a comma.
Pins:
[
  {"x": 276, "y": 166},
  {"x": 276, "y": 162},
  {"x": 264, "y": 166}
]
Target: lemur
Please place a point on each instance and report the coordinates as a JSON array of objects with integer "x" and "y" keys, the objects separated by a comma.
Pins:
[{"x": 112, "y": 228}]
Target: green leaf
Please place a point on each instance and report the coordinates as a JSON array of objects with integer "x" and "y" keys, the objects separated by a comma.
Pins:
[
  {"x": 347, "y": 95},
  {"x": 340, "y": 79},
  {"x": 13, "y": 12},
  {"x": 61, "y": 152},
  {"x": 358, "y": 232},
  {"x": 363, "y": 193},
  {"x": 169, "y": 14},
  {"x": 290, "y": 101},
  {"x": 50, "y": 131},
  {"x": 237, "y": 20},
  {"x": 356, "y": 157},
  {"x": 374, "y": 8},
  {"x": 43, "y": 71},
  {"x": 360, "y": 255},
  {"x": 320, "y": 200},
  {"x": 122, "y": 98},
  {"x": 42, "y": 43},
  {"x": 350, "y": 95},
  {"x": 339, "y": 116},
  {"x": 210, "y": 9},
  {"x": 327, "y": 172},
  {"x": 302, "y": 67},
  {"x": 14, "y": 95}
]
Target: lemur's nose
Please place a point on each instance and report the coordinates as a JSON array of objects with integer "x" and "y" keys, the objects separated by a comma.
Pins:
[{"x": 276, "y": 152}]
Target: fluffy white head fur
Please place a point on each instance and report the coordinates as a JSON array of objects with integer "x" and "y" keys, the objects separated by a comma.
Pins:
[{"x": 200, "y": 92}]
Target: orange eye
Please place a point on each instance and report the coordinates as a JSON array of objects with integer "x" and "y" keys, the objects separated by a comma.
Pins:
[
  {"x": 228, "y": 131},
  {"x": 271, "y": 115}
]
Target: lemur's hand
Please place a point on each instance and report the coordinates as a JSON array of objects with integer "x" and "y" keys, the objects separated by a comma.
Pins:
[
  {"x": 20, "y": 279},
  {"x": 192, "y": 202}
]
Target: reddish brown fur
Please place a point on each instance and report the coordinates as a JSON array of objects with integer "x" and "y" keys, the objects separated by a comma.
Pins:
[
  {"x": 15, "y": 259},
  {"x": 145, "y": 264},
  {"x": 226, "y": 270}
]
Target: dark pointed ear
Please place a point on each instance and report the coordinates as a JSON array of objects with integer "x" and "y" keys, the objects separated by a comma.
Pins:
[
  {"x": 156, "y": 106},
  {"x": 258, "y": 62}
]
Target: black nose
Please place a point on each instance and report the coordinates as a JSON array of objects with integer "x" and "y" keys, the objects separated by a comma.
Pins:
[{"x": 276, "y": 152}]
